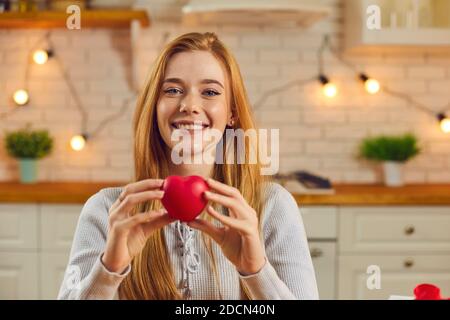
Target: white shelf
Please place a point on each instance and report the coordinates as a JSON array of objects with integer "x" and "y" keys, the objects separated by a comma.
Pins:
[
  {"x": 360, "y": 39},
  {"x": 250, "y": 12}
]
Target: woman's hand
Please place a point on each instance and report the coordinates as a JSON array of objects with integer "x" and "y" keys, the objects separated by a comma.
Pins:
[
  {"x": 239, "y": 237},
  {"x": 127, "y": 234}
]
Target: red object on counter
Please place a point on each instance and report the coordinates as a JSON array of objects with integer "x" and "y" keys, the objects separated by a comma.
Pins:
[
  {"x": 427, "y": 291},
  {"x": 183, "y": 197}
]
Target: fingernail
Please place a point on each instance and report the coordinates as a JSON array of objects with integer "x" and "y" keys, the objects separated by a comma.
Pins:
[{"x": 207, "y": 193}]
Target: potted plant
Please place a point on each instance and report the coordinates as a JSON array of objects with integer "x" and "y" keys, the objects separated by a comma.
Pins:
[
  {"x": 392, "y": 151},
  {"x": 28, "y": 146}
]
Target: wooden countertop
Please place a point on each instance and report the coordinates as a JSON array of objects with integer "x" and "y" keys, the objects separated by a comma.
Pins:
[
  {"x": 51, "y": 192},
  {"x": 371, "y": 194},
  {"x": 346, "y": 194}
]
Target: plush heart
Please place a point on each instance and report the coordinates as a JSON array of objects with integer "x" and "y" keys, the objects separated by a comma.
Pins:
[{"x": 183, "y": 197}]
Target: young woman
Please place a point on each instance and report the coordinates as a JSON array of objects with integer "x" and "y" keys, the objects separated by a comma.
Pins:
[{"x": 249, "y": 243}]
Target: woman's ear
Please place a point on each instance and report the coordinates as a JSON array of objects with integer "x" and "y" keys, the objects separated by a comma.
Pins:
[{"x": 231, "y": 120}]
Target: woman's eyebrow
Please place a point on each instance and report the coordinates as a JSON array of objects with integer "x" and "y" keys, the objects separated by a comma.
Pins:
[
  {"x": 174, "y": 80},
  {"x": 212, "y": 81},
  {"x": 178, "y": 80}
]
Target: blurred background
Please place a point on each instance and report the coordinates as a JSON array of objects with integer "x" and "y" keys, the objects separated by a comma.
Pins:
[{"x": 360, "y": 95}]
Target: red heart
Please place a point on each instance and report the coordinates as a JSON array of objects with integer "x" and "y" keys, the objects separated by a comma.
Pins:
[{"x": 183, "y": 197}]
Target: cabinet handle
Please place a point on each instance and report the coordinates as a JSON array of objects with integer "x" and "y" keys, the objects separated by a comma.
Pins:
[
  {"x": 409, "y": 230},
  {"x": 408, "y": 263},
  {"x": 316, "y": 253}
]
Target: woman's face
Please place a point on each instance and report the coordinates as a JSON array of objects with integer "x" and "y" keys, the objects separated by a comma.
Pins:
[{"x": 194, "y": 97}]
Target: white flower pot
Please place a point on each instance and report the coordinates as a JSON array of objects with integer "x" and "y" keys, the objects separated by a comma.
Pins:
[{"x": 393, "y": 175}]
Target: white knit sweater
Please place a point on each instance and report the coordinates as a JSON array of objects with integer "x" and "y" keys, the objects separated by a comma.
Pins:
[{"x": 287, "y": 274}]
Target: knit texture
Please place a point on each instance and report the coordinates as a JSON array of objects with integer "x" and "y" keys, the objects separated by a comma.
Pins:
[{"x": 287, "y": 274}]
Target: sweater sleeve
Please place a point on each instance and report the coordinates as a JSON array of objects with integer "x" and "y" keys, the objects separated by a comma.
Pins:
[
  {"x": 85, "y": 276},
  {"x": 288, "y": 272}
]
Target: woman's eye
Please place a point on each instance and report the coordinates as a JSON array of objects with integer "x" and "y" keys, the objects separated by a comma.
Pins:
[
  {"x": 172, "y": 91},
  {"x": 211, "y": 93}
]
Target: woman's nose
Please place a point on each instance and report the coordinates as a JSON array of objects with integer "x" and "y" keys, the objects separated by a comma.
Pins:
[{"x": 190, "y": 104}]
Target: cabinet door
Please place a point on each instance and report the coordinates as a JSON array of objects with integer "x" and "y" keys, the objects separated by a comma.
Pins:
[
  {"x": 323, "y": 256},
  {"x": 399, "y": 275},
  {"x": 413, "y": 230},
  {"x": 18, "y": 227},
  {"x": 18, "y": 276},
  {"x": 58, "y": 224},
  {"x": 320, "y": 221},
  {"x": 53, "y": 267}
]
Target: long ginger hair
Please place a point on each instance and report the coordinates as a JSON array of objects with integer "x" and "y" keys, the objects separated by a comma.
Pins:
[{"x": 151, "y": 275}]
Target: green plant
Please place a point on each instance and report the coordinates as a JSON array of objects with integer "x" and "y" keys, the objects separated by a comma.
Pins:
[
  {"x": 390, "y": 148},
  {"x": 27, "y": 143}
]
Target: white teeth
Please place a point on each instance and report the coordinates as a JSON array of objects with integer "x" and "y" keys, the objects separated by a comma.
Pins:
[{"x": 188, "y": 126}]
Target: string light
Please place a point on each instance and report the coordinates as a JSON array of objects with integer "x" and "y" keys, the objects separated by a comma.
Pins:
[
  {"x": 329, "y": 89},
  {"x": 78, "y": 142},
  {"x": 371, "y": 85},
  {"x": 41, "y": 56},
  {"x": 21, "y": 97},
  {"x": 444, "y": 123}
]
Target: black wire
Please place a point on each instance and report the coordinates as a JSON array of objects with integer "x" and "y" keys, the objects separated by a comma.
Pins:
[
  {"x": 281, "y": 88},
  {"x": 113, "y": 117},
  {"x": 408, "y": 99},
  {"x": 72, "y": 90},
  {"x": 320, "y": 51}
]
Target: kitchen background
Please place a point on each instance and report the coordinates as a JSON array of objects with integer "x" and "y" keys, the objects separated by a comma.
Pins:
[{"x": 317, "y": 133}]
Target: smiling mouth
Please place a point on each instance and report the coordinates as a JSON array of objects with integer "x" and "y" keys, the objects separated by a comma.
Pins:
[{"x": 188, "y": 125}]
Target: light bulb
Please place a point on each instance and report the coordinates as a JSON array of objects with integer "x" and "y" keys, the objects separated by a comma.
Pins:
[
  {"x": 21, "y": 97},
  {"x": 40, "y": 56},
  {"x": 445, "y": 125},
  {"x": 329, "y": 90},
  {"x": 78, "y": 142},
  {"x": 372, "y": 86}
]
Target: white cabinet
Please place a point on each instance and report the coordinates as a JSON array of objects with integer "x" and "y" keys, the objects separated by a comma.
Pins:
[
  {"x": 35, "y": 242},
  {"x": 394, "y": 229},
  {"x": 399, "y": 275},
  {"x": 321, "y": 228},
  {"x": 403, "y": 26},
  {"x": 58, "y": 224},
  {"x": 408, "y": 245},
  {"x": 320, "y": 221},
  {"x": 18, "y": 275},
  {"x": 18, "y": 226},
  {"x": 323, "y": 254},
  {"x": 18, "y": 251},
  {"x": 53, "y": 266}
]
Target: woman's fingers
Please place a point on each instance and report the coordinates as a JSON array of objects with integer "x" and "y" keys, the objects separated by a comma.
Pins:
[
  {"x": 224, "y": 189},
  {"x": 228, "y": 221},
  {"x": 128, "y": 198},
  {"x": 152, "y": 220},
  {"x": 114, "y": 205},
  {"x": 131, "y": 200},
  {"x": 139, "y": 186},
  {"x": 210, "y": 229},
  {"x": 126, "y": 224},
  {"x": 158, "y": 220},
  {"x": 230, "y": 203}
]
